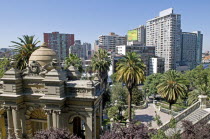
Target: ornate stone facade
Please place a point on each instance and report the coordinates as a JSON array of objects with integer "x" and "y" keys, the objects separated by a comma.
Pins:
[{"x": 44, "y": 96}]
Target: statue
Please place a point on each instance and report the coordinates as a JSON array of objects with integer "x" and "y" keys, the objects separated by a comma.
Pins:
[{"x": 33, "y": 68}]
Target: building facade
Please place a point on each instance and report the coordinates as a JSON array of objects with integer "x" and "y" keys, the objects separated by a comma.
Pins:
[
  {"x": 141, "y": 35},
  {"x": 164, "y": 32},
  {"x": 192, "y": 44},
  {"x": 109, "y": 42},
  {"x": 83, "y": 51},
  {"x": 60, "y": 43},
  {"x": 156, "y": 65},
  {"x": 146, "y": 52},
  {"x": 44, "y": 96}
]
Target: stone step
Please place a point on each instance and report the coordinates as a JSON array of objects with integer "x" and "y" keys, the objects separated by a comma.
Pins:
[{"x": 193, "y": 117}]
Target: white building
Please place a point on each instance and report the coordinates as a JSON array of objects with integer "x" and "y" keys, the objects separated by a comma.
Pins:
[
  {"x": 109, "y": 42},
  {"x": 156, "y": 65},
  {"x": 191, "y": 49},
  {"x": 164, "y": 32}
]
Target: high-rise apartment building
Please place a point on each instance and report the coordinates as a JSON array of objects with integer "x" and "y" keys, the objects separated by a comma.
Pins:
[
  {"x": 88, "y": 51},
  {"x": 191, "y": 49},
  {"x": 146, "y": 52},
  {"x": 141, "y": 35},
  {"x": 83, "y": 51},
  {"x": 109, "y": 42},
  {"x": 60, "y": 43},
  {"x": 164, "y": 32},
  {"x": 199, "y": 46}
]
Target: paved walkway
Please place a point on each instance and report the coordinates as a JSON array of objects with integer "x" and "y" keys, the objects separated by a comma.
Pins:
[{"x": 146, "y": 115}]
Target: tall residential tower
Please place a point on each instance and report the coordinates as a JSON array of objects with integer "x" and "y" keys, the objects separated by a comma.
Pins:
[
  {"x": 164, "y": 32},
  {"x": 191, "y": 49},
  {"x": 109, "y": 42},
  {"x": 60, "y": 43}
]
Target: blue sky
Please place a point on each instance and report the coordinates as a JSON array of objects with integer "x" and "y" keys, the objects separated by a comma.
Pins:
[{"x": 88, "y": 19}]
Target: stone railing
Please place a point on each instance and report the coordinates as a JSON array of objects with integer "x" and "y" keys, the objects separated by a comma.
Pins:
[
  {"x": 208, "y": 104},
  {"x": 1, "y": 87},
  {"x": 204, "y": 119},
  {"x": 181, "y": 115},
  {"x": 167, "y": 111}
]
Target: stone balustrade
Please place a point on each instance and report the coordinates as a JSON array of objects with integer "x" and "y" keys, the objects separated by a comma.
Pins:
[{"x": 181, "y": 115}]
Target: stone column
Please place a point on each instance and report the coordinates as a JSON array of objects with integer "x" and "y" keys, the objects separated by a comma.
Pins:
[
  {"x": 10, "y": 122},
  {"x": 101, "y": 116},
  {"x": 95, "y": 122},
  {"x": 202, "y": 99},
  {"x": 23, "y": 121},
  {"x": 17, "y": 124},
  {"x": 58, "y": 118},
  {"x": 54, "y": 115},
  {"x": 89, "y": 127},
  {"x": 49, "y": 118}
]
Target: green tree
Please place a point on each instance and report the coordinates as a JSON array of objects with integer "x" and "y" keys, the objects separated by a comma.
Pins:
[
  {"x": 119, "y": 94},
  {"x": 197, "y": 76},
  {"x": 150, "y": 84},
  {"x": 157, "y": 119},
  {"x": 113, "y": 112},
  {"x": 199, "y": 80},
  {"x": 118, "y": 97},
  {"x": 100, "y": 63},
  {"x": 159, "y": 135},
  {"x": 4, "y": 65},
  {"x": 24, "y": 49},
  {"x": 75, "y": 61},
  {"x": 172, "y": 86},
  {"x": 130, "y": 70},
  {"x": 137, "y": 96},
  {"x": 203, "y": 89}
]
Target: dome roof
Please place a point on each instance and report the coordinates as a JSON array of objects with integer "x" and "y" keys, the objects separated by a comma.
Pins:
[{"x": 43, "y": 55}]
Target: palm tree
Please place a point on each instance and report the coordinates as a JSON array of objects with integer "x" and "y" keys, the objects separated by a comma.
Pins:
[
  {"x": 75, "y": 61},
  {"x": 172, "y": 86},
  {"x": 100, "y": 63},
  {"x": 130, "y": 70},
  {"x": 203, "y": 89},
  {"x": 24, "y": 49}
]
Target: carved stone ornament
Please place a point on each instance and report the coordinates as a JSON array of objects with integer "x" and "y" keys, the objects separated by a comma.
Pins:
[
  {"x": 13, "y": 63},
  {"x": 35, "y": 69},
  {"x": 55, "y": 63}
]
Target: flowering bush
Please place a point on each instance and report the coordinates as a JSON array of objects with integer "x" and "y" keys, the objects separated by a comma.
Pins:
[
  {"x": 54, "y": 133},
  {"x": 133, "y": 131}
]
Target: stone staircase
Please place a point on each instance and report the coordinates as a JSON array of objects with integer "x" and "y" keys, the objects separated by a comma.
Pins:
[
  {"x": 195, "y": 113},
  {"x": 194, "y": 117}
]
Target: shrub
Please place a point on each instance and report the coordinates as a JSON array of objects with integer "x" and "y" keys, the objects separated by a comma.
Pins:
[
  {"x": 54, "y": 133},
  {"x": 133, "y": 131},
  {"x": 199, "y": 131}
]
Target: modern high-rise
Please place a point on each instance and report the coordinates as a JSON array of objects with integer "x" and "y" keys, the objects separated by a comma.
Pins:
[
  {"x": 146, "y": 52},
  {"x": 141, "y": 35},
  {"x": 109, "y": 42},
  {"x": 83, "y": 51},
  {"x": 60, "y": 43},
  {"x": 164, "y": 32},
  {"x": 191, "y": 49},
  {"x": 88, "y": 51},
  {"x": 199, "y": 46}
]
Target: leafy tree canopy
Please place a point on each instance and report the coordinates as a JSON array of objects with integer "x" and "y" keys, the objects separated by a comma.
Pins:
[
  {"x": 4, "y": 65},
  {"x": 24, "y": 49}
]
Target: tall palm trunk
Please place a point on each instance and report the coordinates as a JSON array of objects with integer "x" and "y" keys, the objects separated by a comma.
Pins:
[
  {"x": 129, "y": 104},
  {"x": 170, "y": 105}
]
